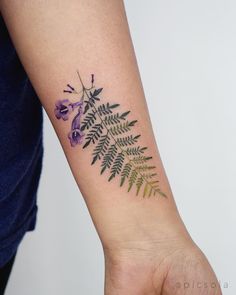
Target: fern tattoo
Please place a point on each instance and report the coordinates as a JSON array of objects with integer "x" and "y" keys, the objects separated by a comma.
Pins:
[{"x": 109, "y": 131}]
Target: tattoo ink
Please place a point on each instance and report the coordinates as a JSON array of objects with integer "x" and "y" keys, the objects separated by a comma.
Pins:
[{"x": 108, "y": 131}]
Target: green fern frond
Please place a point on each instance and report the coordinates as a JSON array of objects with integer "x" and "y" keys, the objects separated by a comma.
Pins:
[
  {"x": 115, "y": 118},
  {"x": 132, "y": 179},
  {"x": 100, "y": 148},
  {"x": 125, "y": 173},
  {"x": 92, "y": 97},
  {"x": 95, "y": 93},
  {"x": 122, "y": 127},
  {"x": 158, "y": 191},
  {"x": 118, "y": 152},
  {"x": 146, "y": 188},
  {"x": 139, "y": 184},
  {"x": 88, "y": 120},
  {"x": 154, "y": 183},
  {"x": 106, "y": 109},
  {"x": 109, "y": 158},
  {"x": 128, "y": 140},
  {"x": 117, "y": 166},
  {"x": 88, "y": 105},
  {"x": 112, "y": 119},
  {"x": 144, "y": 168},
  {"x": 149, "y": 175},
  {"x": 140, "y": 159},
  {"x": 135, "y": 150},
  {"x": 94, "y": 134}
]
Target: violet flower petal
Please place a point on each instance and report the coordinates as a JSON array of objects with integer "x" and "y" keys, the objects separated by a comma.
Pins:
[
  {"x": 62, "y": 109},
  {"x": 76, "y": 122},
  {"x": 76, "y": 137}
]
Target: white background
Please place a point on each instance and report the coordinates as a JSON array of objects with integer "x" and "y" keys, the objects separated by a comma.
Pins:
[{"x": 186, "y": 53}]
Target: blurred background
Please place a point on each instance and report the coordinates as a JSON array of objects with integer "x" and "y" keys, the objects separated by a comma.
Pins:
[{"x": 186, "y": 54}]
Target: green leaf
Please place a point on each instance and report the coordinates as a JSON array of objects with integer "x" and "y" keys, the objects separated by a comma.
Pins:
[
  {"x": 139, "y": 184},
  {"x": 106, "y": 109},
  {"x": 155, "y": 182},
  {"x": 112, "y": 119},
  {"x": 100, "y": 148},
  {"x": 109, "y": 158},
  {"x": 117, "y": 166},
  {"x": 114, "y": 105},
  {"x": 90, "y": 103},
  {"x": 132, "y": 179},
  {"x": 86, "y": 108},
  {"x": 135, "y": 150},
  {"x": 125, "y": 173},
  {"x": 141, "y": 159},
  {"x": 145, "y": 191},
  {"x": 144, "y": 168},
  {"x": 160, "y": 193},
  {"x": 88, "y": 120},
  {"x": 123, "y": 116},
  {"x": 128, "y": 140},
  {"x": 94, "y": 134},
  {"x": 86, "y": 144},
  {"x": 132, "y": 123},
  {"x": 149, "y": 175},
  {"x": 97, "y": 91},
  {"x": 121, "y": 128}
]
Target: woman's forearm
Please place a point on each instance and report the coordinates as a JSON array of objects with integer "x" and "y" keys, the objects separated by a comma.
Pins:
[
  {"x": 80, "y": 59},
  {"x": 55, "y": 41}
]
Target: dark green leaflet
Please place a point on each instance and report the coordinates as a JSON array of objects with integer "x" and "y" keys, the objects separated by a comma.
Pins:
[
  {"x": 106, "y": 109},
  {"x": 117, "y": 165},
  {"x": 125, "y": 173},
  {"x": 150, "y": 175},
  {"x": 88, "y": 120},
  {"x": 139, "y": 184},
  {"x": 140, "y": 159},
  {"x": 94, "y": 134},
  {"x": 108, "y": 132},
  {"x": 109, "y": 158},
  {"x": 132, "y": 179},
  {"x": 89, "y": 103},
  {"x": 135, "y": 150},
  {"x": 114, "y": 119},
  {"x": 101, "y": 148},
  {"x": 144, "y": 167},
  {"x": 128, "y": 140},
  {"x": 121, "y": 128}
]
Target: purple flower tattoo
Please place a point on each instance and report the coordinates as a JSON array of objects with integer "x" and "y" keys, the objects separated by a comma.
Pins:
[
  {"x": 62, "y": 109},
  {"x": 76, "y": 135}
]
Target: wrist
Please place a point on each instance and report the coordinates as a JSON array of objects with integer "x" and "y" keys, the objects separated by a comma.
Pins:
[
  {"x": 144, "y": 252},
  {"x": 146, "y": 228}
]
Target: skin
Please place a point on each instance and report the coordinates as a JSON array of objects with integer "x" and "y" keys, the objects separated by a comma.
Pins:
[{"x": 147, "y": 248}]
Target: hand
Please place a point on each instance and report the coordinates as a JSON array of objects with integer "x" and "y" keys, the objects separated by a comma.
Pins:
[{"x": 168, "y": 266}]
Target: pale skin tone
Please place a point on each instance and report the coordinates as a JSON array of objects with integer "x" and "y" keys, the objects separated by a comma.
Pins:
[{"x": 147, "y": 248}]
